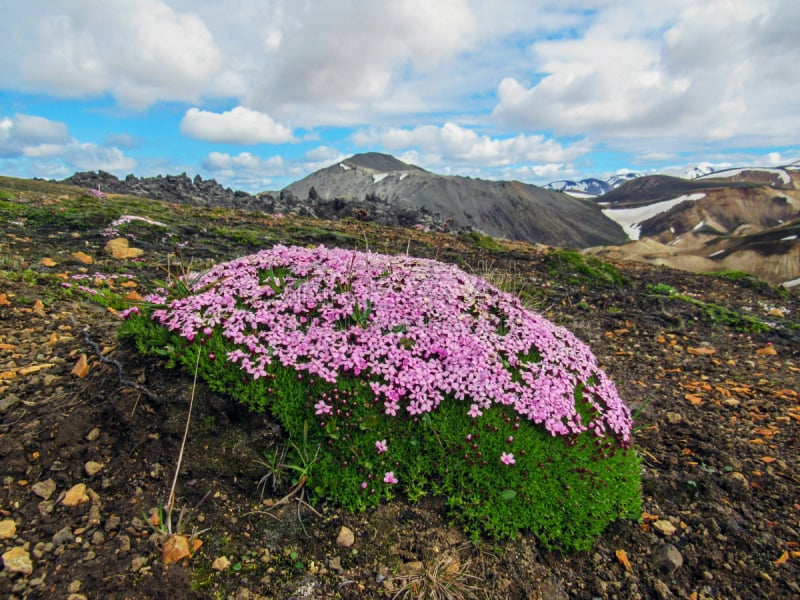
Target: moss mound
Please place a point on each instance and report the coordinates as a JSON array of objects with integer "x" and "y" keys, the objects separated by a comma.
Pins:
[{"x": 394, "y": 374}]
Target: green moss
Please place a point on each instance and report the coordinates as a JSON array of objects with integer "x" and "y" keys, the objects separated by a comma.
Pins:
[
  {"x": 713, "y": 314},
  {"x": 573, "y": 268},
  {"x": 565, "y": 490},
  {"x": 482, "y": 241}
]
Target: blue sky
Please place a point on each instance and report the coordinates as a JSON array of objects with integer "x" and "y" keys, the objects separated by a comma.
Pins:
[{"x": 257, "y": 94}]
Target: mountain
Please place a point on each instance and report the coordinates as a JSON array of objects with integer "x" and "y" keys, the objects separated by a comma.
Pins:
[
  {"x": 744, "y": 219},
  {"x": 503, "y": 209},
  {"x": 590, "y": 187}
]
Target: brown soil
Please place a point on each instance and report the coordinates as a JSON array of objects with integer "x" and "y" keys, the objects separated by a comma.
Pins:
[{"x": 717, "y": 430}]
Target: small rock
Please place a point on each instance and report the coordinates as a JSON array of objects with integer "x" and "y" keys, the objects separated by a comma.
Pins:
[
  {"x": 46, "y": 507},
  {"x": 662, "y": 590},
  {"x": 221, "y": 564},
  {"x": 335, "y": 564},
  {"x": 120, "y": 249},
  {"x": 8, "y": 529},
  {"x": 112, "y": 523},
  {"x": 667, "y": 557},
  {"x": 75, "y": 495},
  {"x": 17, "y": 560},
  {"x": 8, "y": 402},
  {"x": 346, "y": 538},
  {"x": 63, "y": 536},
  {"x": 664, "y": 527},
  {"x": 77, "y": 597},
  {"x": 83, "y": 258},
  {"x": 92, "y": 468},
  {"x": 74, "y": 587},
  {"x": 731, "y": 402},
  {"x": 93, "y": 434},
  {"x": 673, "y": 418},
  {"x": 137, "y": 562}
]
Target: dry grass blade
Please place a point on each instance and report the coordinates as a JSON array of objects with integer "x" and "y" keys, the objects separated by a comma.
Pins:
[{"x": 445, "y": 578}]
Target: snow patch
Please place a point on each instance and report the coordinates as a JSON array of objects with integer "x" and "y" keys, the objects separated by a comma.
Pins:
[
  {"x": 717, "y": 253},
  {"x": 700, "y": 225},
  {"x": 630, "y": 219},
  {"x": 792, "y": 283},
  {"x": 784, "y": 176},
  {"x": 378, "y": 177},
  {"x": 789, "y": 237},
  {"x": 345, "y": 167}
]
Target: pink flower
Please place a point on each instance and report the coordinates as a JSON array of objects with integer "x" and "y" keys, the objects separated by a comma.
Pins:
[
  {"x": 322, "y": 409},
  {"x": 389, "y": 478},
  {"x": 381, "y": 446},
  {"x": 507, "y": 458},
  {"x": 474, "y": 411}
]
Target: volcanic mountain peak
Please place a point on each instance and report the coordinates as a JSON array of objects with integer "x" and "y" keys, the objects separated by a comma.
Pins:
[{"x": 376, "y": 161}]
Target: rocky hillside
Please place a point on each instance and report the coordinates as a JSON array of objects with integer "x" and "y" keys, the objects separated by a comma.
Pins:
[
  {"x": 91, "y": 430},
  {"x": 745, "y": 219},
  {"x": 502, "y": 209}
]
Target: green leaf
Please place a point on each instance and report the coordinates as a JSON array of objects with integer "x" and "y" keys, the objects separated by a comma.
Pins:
[
  {"x": 507, "y": 495},
  {"x": 370, "y": 422}
]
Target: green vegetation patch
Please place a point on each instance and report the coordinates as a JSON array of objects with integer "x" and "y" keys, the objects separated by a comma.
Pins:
[
  {"x": 573, "y": 268},
  {"x": 397, "y": 375}
]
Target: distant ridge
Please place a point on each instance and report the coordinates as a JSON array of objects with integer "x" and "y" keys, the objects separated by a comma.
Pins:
[{"x": 502, "y": 209}]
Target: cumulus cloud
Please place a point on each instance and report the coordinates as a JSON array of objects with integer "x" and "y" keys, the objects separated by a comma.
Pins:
[
  {"x": 141, "y": 51},
  {"x": 686, "y": 71},
  {"x": 239, "y": 125},
  {"x": 454, "y": 143},
  {"x": 47, "y": 143},
  {"x": 330, "y": 62},
  {"x": 24, "y": 134}
]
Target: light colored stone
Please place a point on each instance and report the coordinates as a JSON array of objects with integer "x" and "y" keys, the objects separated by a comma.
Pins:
[
  {"x": 75, "y": 495},
  {"x": 8, "y": 529},
  {"x": 83, "y": 258},
  {"x": 221, "y": 564},
  {"x": 17, "y": 560},
  {"x": 346, "y": 537},
  {"x": 664, "y": 527},
  {"x": 120, "y": 249},
  {"x": 138, "y": 562},
  {"x": 93, "y": 434},
  {"x": 92, "y": 468}
]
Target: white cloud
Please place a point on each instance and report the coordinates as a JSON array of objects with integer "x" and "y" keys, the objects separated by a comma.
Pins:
[
  {"x": 91, "y": 157},
  {"x": 237, "y": 126},
  {"x": 246, "y": 171},
  {"x": 141, "y": 51},
  {"x": 227, "y": 164},
  {"x": 673, "y": 71},
  {"x": 22, "y": 134},
  {"x": 47, "y": 143},
  {"x": 455, "y": 143}
]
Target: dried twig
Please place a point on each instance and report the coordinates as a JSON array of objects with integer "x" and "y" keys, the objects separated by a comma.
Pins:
[{"x": 120, "y": 370}]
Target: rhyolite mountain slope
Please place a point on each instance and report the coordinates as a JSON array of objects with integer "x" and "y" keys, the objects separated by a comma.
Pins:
[
  {"x": 742, "y": 219},
  {"x": 502, "y": 209}
]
